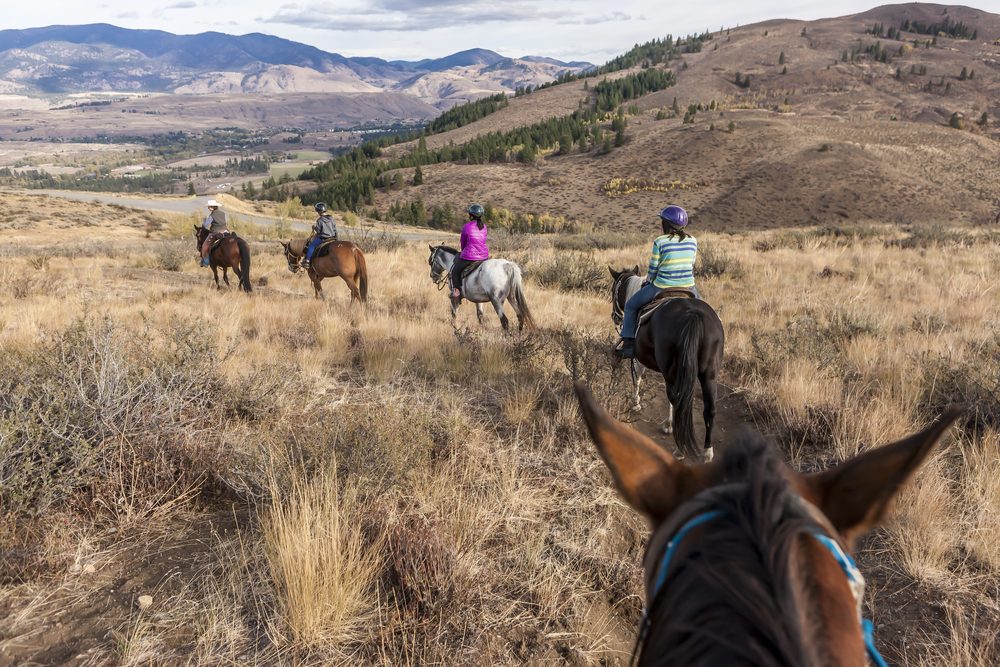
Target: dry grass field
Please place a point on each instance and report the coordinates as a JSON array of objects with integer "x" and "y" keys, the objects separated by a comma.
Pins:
[{"x": 296, "y": 482}]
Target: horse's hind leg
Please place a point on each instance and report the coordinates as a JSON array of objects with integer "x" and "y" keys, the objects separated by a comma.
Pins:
[
  {"x": 498, "y": 306},
  {"x": 709, "y": 391},
  {"x": 215, "y": 272},
  {"x": 479, "y": 313},
  {"x": 225, "y": 276},
  {"x": 355, "y": 292},
  {"x": 668, "y": 426}
]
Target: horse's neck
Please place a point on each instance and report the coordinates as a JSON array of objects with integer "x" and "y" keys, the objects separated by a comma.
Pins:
[
  {"x": 447, "y": 259},
  {"x": 297, "y": 246},
  {"x": 632, "y": 284}
]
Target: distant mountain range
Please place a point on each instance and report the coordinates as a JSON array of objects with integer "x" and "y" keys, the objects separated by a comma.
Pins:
[{"x": 105, "y": 58}]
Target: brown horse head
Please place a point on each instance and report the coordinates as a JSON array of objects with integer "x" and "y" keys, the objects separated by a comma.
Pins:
[
  {"x": 747, "y": 563},
  {"x": 293, "y": 254}
]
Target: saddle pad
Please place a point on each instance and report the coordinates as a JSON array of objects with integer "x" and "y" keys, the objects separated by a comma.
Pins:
[{"x": 663, "y": 297}]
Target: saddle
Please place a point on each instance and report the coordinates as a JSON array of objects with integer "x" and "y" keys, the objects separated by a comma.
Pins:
[
  {"x": 467, "y": 271},
  {"x": 324, "y": 248},
  {"x": 663, "y": 297},
  {"x": 219, "y": 238}
]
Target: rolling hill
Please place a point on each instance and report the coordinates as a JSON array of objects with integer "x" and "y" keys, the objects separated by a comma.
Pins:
[{"x": 837, "y": 125}]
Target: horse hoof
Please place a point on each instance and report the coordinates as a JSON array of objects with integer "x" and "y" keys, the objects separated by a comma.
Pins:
[{"x": 709, "y": 454}]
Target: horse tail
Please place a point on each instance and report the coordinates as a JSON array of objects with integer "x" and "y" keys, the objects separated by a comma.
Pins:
[
  {"x": 517, "y": 297},
  {"x": 362, "y": 274},
  {"x": 692, "y": 332},
  {"x": 244, "y": 265}
]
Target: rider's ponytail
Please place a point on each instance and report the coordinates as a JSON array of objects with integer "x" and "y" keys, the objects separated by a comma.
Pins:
[{"x": 480, "y": 223}]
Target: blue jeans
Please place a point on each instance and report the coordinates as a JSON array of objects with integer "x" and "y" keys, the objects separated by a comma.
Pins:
[
  {"x": 311, "y": 248},
  {"x": 630, "y": 320}
]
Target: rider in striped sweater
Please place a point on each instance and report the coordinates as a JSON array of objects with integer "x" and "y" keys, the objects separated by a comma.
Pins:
[{"x": 671, "y": 265}]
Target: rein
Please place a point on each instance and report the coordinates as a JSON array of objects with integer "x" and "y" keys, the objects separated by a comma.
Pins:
[
  {"x": 443, "y": 280},
  {"x": 701, "y": 515}
]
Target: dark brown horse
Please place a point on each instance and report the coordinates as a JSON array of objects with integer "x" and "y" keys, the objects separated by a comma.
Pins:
[
  {"x": 342, "y": 259},
  {"x": 748, "y": 561},
  {"x": 230, "y": 253},
  {"x": 683, "y": 340}
]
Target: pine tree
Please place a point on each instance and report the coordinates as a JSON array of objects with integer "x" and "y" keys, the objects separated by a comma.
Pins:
[
  {"x": 191, "y": 188},
  {"x": 956, "y": 121},
  {"x": 418, "y": 175},
  {"x": 781, "y": 58},
  {"x": 565, "y": 143},
  {"x": 984, "y": 120},
  {"x": 964, "y": 75},
  {"x": 784, "y": 70}
]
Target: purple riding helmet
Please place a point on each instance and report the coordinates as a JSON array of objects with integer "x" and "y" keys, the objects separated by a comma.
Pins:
[{"x": 674, "y": 215}]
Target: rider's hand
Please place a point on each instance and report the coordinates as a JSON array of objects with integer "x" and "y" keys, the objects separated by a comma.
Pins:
[{"x": 645, "y": 282}]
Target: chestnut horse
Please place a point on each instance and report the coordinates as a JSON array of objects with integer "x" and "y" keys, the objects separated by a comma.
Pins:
[
  {"x": 230, "y": 253},
  {"x": 342, "y": 258},
  {"x": 748, "y": 561}
]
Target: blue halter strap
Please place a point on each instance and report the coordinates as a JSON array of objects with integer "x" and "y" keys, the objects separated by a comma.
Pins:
[{"x": 854, "y": 578}]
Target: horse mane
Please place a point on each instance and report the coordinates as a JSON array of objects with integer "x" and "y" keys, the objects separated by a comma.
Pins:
[
  {"x": 732, "y": 599},
  {"x": 448, "y": 248}
]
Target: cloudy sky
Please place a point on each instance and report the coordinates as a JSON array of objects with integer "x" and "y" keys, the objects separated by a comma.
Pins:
[{"x": 593, "y": 30}]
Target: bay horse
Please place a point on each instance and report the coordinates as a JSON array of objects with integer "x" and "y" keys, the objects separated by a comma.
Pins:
[
  {"x": 493, "y": 281},
  {"x": 748, "y": 562},
  {"x": 231, "y": 252},
  {"x": 683, "y": 340},
  {"x": 342, "y": 258}
]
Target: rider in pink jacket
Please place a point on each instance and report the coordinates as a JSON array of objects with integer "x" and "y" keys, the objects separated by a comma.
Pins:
[{"x": 474, "y": 248}]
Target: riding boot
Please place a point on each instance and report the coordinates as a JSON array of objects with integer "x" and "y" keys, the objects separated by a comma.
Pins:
[
  {"x": 306, "y": 265},
  {"x": 204, "y": 261},
  {"x": 626, "y": 349}
]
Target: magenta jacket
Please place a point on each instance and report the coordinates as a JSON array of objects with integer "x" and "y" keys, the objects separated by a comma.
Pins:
[{"x": 474, "y": 242}]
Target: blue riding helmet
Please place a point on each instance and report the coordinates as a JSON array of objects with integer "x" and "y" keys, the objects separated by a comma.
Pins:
[
  {"x": 476, "y": 211},
  {"x": 675, "y": 215}
]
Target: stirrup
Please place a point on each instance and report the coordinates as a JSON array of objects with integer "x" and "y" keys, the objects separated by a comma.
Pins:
[{"x": 625, "y": 348}]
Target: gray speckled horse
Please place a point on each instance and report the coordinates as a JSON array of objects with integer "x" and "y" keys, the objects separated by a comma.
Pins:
[{"x": 494, "y": 281}]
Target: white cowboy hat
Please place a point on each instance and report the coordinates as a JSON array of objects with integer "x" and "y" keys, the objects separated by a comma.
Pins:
[{"x": 212, "y": 202}]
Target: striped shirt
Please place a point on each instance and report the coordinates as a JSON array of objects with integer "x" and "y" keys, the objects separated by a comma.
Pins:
[{"x": 672, "y": 261}]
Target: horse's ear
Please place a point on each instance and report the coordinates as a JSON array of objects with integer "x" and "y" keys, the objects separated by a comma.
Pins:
[
  {"x": 197, "y": 227},
  {"x": 636, "y": 269},
  {"x": 614, "y": 274},
  {"x": 855, "y": 495},
  {"x": 648, "y": 478},
  {"x": 431, "y": 247}
]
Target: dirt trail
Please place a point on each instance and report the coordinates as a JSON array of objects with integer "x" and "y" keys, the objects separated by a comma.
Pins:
[{"x": 732, "y": 413}]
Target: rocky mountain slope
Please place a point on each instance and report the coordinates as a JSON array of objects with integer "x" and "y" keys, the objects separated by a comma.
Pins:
[{"x": 104, "y": 58}]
